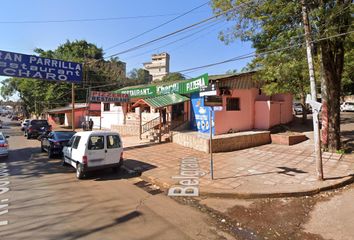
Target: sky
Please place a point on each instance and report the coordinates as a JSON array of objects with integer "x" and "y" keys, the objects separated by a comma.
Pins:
[{"x": 189, "y": 49}]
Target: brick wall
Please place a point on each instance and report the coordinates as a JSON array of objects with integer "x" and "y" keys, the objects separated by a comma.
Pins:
[
  {"x": 224, "y": 144},
  {"x": 126, "y": 130}
]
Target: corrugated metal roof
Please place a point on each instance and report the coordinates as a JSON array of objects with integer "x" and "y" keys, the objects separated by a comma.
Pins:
[
  {"x": 164, "y": 100},
  {"x": 236, "y": 81},
  {"x": 67, "y": 108}
]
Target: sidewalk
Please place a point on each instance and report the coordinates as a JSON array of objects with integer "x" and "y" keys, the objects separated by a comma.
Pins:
[{"x": 265, "y": 171}]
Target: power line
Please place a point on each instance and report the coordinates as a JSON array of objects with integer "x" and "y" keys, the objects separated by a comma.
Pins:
[
  {"x": 172, "y": 33},
  {"x": 158, "y": 26},
  {"x": 86, "y": 19},
  {"x": 172, "y": 42},
  {"x": 254, "y": 54}
]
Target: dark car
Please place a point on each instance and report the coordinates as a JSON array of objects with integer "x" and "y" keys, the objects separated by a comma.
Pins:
[
  {"x": 53, "y": 142},
  {"x": 36, "y": 128}
]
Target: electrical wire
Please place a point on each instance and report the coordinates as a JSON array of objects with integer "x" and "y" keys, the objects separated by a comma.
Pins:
[
  {"x": 254, "y": 54},
  {"x": 86, "y": 19},
  {"x": 154, "y": 28},
  {"x": 171, "y": 34},
  {"x": 175, "y": 41}
]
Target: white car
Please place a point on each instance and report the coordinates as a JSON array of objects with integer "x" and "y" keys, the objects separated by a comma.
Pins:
[
  {"x": 92, "y": 150},
  {"x": 4, "y": 145},
  {"x": 347, "y": 106},
  {"x": 24, "y": 124}
]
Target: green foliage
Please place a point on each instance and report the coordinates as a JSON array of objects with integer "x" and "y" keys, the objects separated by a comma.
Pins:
[
  {"x": 173, "y": 77},
  {"x": 139, "y": 76}
]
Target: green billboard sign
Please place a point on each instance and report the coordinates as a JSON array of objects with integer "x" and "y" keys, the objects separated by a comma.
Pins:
[{"x": 181, "y": 87}]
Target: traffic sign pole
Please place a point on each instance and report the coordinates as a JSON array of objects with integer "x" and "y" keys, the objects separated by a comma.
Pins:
[{"x": 211, "y": 144}]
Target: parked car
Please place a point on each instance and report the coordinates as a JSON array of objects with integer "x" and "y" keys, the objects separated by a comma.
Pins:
[
  {"x": 53, "y": 142},
  {"x": 297, "y": 108},
  {"x": 88, "y": 151},
  {"x": 4, "y": 145},
  {"x": 14, "y": 118},
  {"x": 347, "y": 106},
  {"x": 36, "y": 128},
  {"x": 24, "y": 124}
]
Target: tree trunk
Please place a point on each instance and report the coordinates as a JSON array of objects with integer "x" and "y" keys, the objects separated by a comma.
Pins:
[
  {"x": 324, "y": 100},
  {"x": 333, "y": 78}
]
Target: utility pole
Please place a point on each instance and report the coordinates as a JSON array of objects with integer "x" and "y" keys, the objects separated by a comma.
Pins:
[
  {"x": 316, "y": 127},
  {"x": 73, "y": 106}
]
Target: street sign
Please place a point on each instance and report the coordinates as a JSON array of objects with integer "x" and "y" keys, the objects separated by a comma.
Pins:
[
  {"x": 313, "y": 103},
  {"x": 209, "y": 90},
  {"x": 30, "y": 66},
  {"x": 108, "y": 97},
  {"x": 212, "y": 101}
]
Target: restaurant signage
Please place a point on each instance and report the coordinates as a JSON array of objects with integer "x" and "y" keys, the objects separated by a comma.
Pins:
[
  {"x": 108, "y": 97},
  {"x": 182, "y": 87},
  {"x": 30, "y": 66}
]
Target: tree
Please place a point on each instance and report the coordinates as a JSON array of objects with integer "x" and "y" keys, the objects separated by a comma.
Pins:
[
  {"x": 38, "y": 95},
  {"x": 274, "y": 24},
  {"x": 139, "y": 76},
  {"x": 173, "y": 77}
]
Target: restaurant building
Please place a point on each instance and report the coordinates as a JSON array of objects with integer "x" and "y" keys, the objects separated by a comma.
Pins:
[{"x": 161, "y": 108}]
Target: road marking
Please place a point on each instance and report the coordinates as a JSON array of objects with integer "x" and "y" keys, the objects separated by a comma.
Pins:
[{"x": 4, "y": 182}]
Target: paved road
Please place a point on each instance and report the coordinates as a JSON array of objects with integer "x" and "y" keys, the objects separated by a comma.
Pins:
[{"x": 46, "y": 201}]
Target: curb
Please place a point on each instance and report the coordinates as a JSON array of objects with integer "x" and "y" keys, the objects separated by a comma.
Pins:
[
  {"x": 280, "y": 194},
  {"x": 165, "y": 186}
]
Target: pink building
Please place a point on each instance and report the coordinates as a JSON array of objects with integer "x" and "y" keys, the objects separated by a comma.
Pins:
[
  {"x": 244, "y": 106},
  {"x": 63, "y": 115}
]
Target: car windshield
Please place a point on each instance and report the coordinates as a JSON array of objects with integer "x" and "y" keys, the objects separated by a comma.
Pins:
[
  {"x": 64, "y": 135},
  {"x": 39, "y": 122}
]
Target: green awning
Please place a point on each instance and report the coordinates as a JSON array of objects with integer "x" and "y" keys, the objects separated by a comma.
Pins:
[{"x": 163, "y": 101}]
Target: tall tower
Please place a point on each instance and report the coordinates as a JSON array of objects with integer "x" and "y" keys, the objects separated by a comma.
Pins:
[{"x": 159, "y": 66}]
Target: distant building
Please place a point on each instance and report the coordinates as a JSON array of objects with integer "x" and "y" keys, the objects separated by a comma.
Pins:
[{"x": 159, "y": 66}]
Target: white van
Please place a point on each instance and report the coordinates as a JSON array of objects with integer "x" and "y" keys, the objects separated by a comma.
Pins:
[{"x": 92, "y": 150}]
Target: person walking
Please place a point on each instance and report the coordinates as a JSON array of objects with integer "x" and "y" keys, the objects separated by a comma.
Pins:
[{"x": 91, "y": 124}]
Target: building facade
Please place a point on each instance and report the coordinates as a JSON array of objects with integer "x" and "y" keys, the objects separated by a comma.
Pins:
[{"x": 159, "y": 66}]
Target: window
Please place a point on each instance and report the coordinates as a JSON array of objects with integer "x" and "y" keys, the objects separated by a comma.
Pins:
[
  {"x": 70, "y": 143},
  {"x": 106, "y": 107},
  {"x": 113, "y": 141},
  {"x": 232, "y": 104},
  {"x": 96, "y": 143},
  {"x": 117, "y": 104},
  {"x": 76, "y": 142}
]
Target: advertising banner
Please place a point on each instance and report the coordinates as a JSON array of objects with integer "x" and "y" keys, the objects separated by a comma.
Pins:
[
  {"x": 30, "y": 66},
  {"x": 108, "y": 97},
  {"x": 183, "y": 87}
]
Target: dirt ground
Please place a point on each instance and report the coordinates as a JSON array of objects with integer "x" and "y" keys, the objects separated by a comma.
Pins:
[{"x": 269, "y": 218}]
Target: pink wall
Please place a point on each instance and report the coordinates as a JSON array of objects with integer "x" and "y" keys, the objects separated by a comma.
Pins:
[
  {"x": 95, "y": 106},
  {"x": 262, "y": 118},
  {"x": 275, "y": 112},
  {"x": 237, "y": 120}
]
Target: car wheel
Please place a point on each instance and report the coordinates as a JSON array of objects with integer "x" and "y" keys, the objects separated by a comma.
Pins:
[
  {"x": 118, "y": 166},
  {"x": 79, "y": 171},
  {"x": 63, "y": 163},
  {"x": 42, "y": 149},
  {"x": 50, "y": 153}
]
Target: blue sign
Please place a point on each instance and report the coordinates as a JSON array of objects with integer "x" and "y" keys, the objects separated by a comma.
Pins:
[
  {"x": 200, "y": 120},
  {"x": 30, "y": 66}
]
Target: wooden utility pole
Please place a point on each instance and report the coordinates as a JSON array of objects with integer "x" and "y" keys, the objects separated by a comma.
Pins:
[
  {"x": 316, "y": 127},
  {"x": 73, "y": 106}
]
